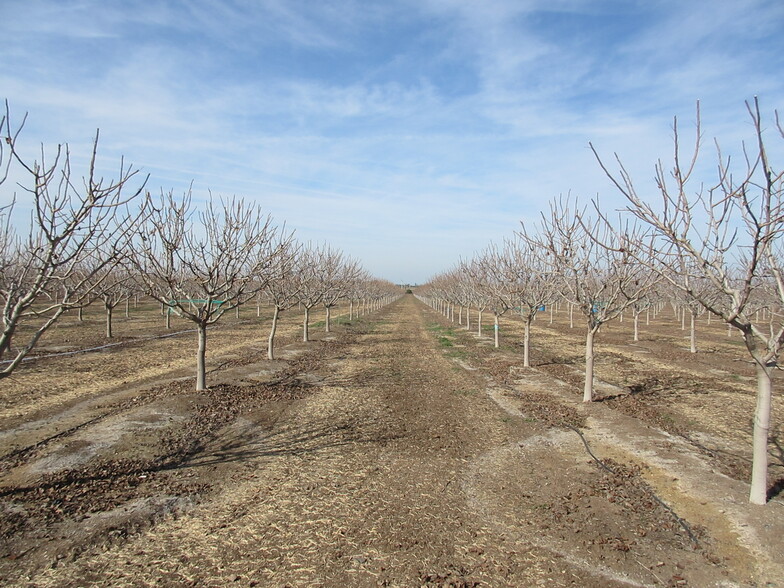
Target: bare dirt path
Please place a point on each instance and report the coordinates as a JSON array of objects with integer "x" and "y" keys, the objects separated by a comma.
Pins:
[{"x": 385, "y": 455}]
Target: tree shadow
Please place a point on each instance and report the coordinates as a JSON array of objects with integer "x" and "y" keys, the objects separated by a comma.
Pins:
[
  {"x": 241, "y": 444},
  {"x": 777, "y": 489}
]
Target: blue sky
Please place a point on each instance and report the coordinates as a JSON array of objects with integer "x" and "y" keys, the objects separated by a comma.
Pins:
[{"x": 407, "y": 133}]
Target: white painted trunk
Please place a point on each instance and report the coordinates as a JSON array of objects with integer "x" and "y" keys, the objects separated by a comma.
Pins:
[
  {"x": 759, "y": 469},
  {"x": 201, "y": 364},
  {"x": 271, "y": 340},
  {"x": 693, "y": 335},
  {"x": 588, "y": 388},
  {"x": 526, "y": 344},
  {"x": 495, "y": 331},
  {"x": 305, "y": 324},
  {"x": 109, "y": 310}
]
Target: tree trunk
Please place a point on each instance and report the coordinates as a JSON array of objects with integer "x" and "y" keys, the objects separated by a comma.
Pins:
[
  {"x": 201, "y": 365},
  {"x": 109, "y": 310},
  {"x": 759, "y": 468},
  {"x": 468, "y": 318},
  {"x": 588, "y": 389},
  {"x": 693, "y": 334},
  {"x": 479, "y": 328},
  {"x": 80, "y": 314},
  {"x": 571, "y": 315},
  {"x": 127, "y": 307},
  {"x": 271, "y": 340},
  {"x": 636, "y": 326},
  {"x": 305, "y": 325},
  {"x": 5, "y": 339},
  {"x": 495, "y": 331},
  {"x": 526, "y": 343},
  {"x": 350, "y": 309},
  {"x": 168, "y": 319},
  {"x": 328, "y": 317}
]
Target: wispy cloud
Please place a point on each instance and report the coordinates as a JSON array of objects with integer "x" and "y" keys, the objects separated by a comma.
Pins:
[{"x": 406, "y": 132}]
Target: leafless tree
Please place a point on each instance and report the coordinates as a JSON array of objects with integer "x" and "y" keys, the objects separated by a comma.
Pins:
[
  {"x": 310, "y": 287},
  {"x": 115, "y": 289},
  {"x": 382, "y": 292},
  {"x": 730, "y": 235},
  {"x": 600, "y": 281},
  {"x": 536, "y": 284},
  {"x": 336, "y": 274},
  {"x": 465, "y": 285},
  {"x": 496, "y": 282},
  {"x": 201, "y": 269},
  {"x": 73, "y": 225},
  {"x": 356, "y": 290},
  {"x": 282, "y": 288}
]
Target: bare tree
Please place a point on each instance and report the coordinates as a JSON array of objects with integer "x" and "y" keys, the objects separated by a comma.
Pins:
[
  {"x": 355, "y": 292},
  {"x": 116, "y": 287},
  {"x": 600, "y": 281},
  {"x": 199, "y": 270},
  {"x": 496, "y": 282},
  {"x": 310, "y": 286},
  {"x": 465, "y": 286},
  {"x": 336, "y": 275},
  {"x": 283, "y": 286},
  {"x": 74, "y": 225},
  {"x": 536, "y": 284},
  {"x": 729, "y": 235}
]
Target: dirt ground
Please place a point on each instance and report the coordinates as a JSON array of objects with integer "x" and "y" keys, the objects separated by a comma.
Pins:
[{"x": 398, "y": 450}]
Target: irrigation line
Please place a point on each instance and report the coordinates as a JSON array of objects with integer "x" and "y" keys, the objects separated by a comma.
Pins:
[{"x": 681, "y": 522}]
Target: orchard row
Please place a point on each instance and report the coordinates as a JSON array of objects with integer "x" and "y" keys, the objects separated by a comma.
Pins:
[
  {"x": 93, "y": 239},
  {"x": 712, "y": 246}
]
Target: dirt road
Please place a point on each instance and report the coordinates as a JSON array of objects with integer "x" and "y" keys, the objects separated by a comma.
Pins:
[{"x": 394, "y": 463}]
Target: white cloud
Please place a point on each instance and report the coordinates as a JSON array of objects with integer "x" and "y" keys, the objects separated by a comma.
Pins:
[{"x": 395, "y": 128}]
